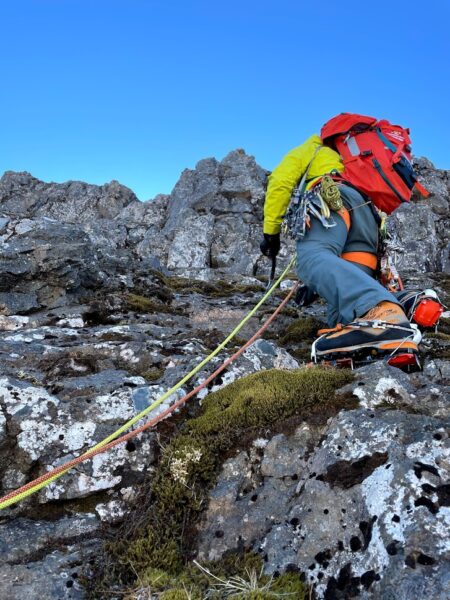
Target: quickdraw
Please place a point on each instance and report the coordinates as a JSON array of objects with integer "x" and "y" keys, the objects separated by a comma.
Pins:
[{"x": 303, "y": 206}]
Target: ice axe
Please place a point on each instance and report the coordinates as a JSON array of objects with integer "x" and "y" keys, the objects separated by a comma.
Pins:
[{"x": 273, "y": 268}]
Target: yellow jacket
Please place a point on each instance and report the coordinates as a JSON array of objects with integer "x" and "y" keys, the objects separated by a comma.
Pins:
[{"x": 288, "y": 173}]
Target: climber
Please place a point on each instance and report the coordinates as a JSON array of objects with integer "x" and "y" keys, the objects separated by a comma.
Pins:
[{"x": 336, "y": 228}]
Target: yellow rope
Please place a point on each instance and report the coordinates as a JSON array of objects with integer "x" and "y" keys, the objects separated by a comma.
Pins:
[{"x": 161, "y": 399}]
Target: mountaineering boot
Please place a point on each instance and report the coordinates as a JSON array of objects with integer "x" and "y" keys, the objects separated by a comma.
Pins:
[{"x": 383, "y": 331}]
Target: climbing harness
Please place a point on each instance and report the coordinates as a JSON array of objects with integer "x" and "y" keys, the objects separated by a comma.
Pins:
[{"x": 117, "y": 438}]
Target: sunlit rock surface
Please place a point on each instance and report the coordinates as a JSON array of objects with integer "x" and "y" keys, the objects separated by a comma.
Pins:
[{"x": 95, "y": 324}]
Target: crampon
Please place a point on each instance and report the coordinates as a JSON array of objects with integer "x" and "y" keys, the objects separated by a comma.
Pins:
[
  {"x": 402, "y": 354},
  {"x": 405, "y": 360}
]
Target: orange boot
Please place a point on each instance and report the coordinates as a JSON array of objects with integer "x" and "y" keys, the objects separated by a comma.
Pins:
[{"x": 385, "y": 329}]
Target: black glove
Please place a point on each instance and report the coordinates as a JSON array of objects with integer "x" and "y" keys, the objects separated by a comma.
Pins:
[{"x": 270, "y": 246}]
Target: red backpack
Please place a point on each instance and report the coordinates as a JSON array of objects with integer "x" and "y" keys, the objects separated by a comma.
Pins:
[{"x": 377, "y": 158}]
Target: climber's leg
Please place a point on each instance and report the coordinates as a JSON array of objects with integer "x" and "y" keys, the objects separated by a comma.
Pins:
[{"x": 348, "y": 288}]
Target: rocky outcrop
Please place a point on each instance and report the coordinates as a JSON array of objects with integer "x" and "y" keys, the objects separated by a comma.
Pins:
[
  {"x": 95, "y": 323},
  {"x": 420, "y": 228},
  {"x": 66, "y": 382},
  {"x": 72, "y": 202},
  {"x": 358, "y": 505},
  {"x": 210, "y": 224}
]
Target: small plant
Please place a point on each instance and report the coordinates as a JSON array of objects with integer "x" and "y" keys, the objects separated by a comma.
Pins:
[
  {"x": 240, "y": 587},
  {"x": 180, "y": 463}
]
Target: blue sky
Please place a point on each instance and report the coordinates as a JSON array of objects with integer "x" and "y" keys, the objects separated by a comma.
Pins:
[{"x": 138, "y": 90}]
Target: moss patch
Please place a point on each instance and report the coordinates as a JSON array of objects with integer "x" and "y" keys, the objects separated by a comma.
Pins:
[
  {"x": 303, "y": 330},
  {"x": 440, "y": 341},
  {"x": 442, "y": 353},
  {"x": 180, "y": 594},
  {"x": 153, "y": 374},
  {"x": 142, "y": 304},
  {"x": 297, "y": 337},
  {"x": 191, "y": 461},
  {"x": 193, "y": 583},
  {"x": 301, "y": 354}
]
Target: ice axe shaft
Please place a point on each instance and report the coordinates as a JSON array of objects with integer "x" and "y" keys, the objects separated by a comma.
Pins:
[
  {"x": 273, "y": 268},
  {"x": 272, "y": 272}
]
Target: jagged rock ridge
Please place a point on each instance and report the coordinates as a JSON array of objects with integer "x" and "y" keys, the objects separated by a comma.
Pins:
[{"x": 95, "y": 324}]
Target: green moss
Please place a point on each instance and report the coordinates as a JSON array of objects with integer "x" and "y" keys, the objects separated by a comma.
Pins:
[
  {"x": 212, "y": 339},
  {"x": 301, "y": 354},
  {"x": 190, "y": 463},
  {"x": 302, "y": 330},
  {"x": 268, "y": 595},
  {"x": 288, "y": 311},
  {"x": 141, "y": 304},
  {"x": 152, "y": 374},
  {"x": 440, "y": 350},
  {"x": 290, "y": 583},
  {"x": 155, "y": 578},
  {"x": 249, "y": 566},
  {"x": 442, "y": 353},
  {"x": 180, "y": 594}
]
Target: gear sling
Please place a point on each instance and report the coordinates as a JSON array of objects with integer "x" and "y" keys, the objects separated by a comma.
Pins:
[{"x": 317, "y": 202}]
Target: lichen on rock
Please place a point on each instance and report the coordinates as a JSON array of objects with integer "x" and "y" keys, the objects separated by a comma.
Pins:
[{"x": 106, "y": 302}]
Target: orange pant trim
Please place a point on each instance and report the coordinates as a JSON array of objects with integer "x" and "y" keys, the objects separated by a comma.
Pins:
[
  {"x": 344, "y": 213},
  {"x": 362, "y": 258}
]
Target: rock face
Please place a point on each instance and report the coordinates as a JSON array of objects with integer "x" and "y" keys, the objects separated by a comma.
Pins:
[
  {"x": 420, "y": 228},
  {"x": 95, "y": 323},
  {"x": 210, "y": 224},
  {"x": 361, "y": 513}
]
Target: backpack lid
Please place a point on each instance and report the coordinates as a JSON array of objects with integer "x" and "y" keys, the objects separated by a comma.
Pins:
[{"x": 343, "y": 123}]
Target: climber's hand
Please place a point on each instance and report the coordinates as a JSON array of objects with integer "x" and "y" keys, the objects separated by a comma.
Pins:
[{"x": 270, "y": 245}]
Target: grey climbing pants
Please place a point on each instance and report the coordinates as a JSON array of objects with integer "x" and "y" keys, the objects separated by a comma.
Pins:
[{"x": 349, "y": 289}]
